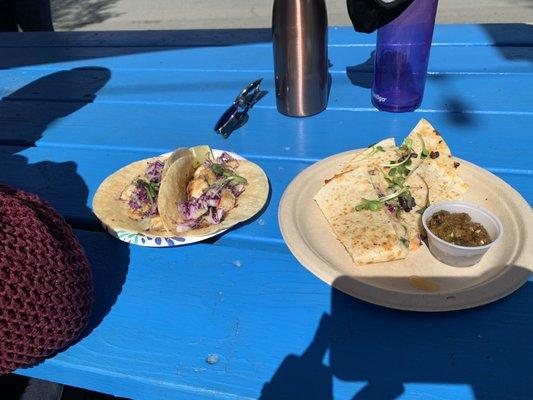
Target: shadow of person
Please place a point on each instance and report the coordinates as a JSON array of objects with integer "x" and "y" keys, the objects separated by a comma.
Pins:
[
  {"x": 25, "y": 115},
  {"x": 482, "y": 353},
  {"x": 509, "y": 39},
  {"x": 303, "y": 377},
  {"x": 362, "y": 75},
  {"x": 488, "y": 349}
]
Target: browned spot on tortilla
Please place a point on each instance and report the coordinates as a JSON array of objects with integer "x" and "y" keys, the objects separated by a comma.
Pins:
[
  {"x": 456, "y": 164},
  {"x": 336, "y": 176},
  {"x": 423, "y": 284},
  {"x": 436, "y": 132}
]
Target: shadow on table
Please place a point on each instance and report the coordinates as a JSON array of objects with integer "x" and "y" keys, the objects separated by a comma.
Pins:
[
  {"x": 60, "y": 47},
  {"x": 25, "y": 115},
  {"x": 488, "y": 348},
  {"x": 362, "y": 75},
  {"x": 513, "y": 41}
]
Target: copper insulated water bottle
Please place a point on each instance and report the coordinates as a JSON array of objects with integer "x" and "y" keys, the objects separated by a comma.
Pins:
[{"x": 299, "y": 35}]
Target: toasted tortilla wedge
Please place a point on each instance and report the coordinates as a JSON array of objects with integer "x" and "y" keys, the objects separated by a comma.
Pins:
[
  {"x": 431, "y": 180},
  {"x": 433, "y": 142},
  {"x": 368, "y": 236}
]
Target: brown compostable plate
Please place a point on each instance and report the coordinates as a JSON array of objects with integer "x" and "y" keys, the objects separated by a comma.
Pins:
[{"x": 420, "y": 282}]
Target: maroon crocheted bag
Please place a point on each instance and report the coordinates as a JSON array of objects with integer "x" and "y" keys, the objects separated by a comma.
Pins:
[{"x": 45, "y": 281}]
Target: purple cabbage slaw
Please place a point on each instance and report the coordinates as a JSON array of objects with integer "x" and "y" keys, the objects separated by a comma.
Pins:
[{"x": 143, "y": 198}]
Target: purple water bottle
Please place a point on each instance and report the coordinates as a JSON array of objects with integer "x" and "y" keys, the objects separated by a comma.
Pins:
[{"x": 402, "y": 55}]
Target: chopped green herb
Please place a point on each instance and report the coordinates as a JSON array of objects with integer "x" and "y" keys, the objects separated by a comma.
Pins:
[
  {"x": 238, "y": 179},
  {"x": 152, "y": 188},
  {"x": 405, "y": 242},
  {"x": 217, "y": 169},
  {"x": 229, "y": 174}
]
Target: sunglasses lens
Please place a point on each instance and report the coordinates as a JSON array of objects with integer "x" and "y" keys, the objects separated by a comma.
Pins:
[{"x": 224, "y": 120}]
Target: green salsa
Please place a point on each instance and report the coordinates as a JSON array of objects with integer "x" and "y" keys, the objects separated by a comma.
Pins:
[{"x": 458, "y": 228}]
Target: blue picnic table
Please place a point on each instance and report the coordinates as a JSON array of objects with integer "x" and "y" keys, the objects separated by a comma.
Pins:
[{"x": 237, "y": 317}]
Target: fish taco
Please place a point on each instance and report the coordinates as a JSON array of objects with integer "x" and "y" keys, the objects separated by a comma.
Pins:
[
  {"x": 203, "y": 198},
  {"x": 128, "y": 199}
]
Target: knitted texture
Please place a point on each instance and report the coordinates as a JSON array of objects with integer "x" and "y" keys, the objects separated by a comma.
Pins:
[{"x": 45, "y": 281}]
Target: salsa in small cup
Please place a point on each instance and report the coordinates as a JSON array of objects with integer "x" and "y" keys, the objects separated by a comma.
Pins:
[{"x": 474, "y": 232}]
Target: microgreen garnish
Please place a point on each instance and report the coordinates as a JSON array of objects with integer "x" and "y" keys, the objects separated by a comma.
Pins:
[
  {"x": 407, "y": 145},
  {"x": 401, "y": 161},
  {"x": 375, "y": 205},
  {"x": 375, "y": 149},
  {"x": 425, "y": 152},
  {"x": 395, "y": 181},
  {"x": 372, "y": 205},
  {"x": 421, "y": 211},
  {"x": 400, "y": 170}
]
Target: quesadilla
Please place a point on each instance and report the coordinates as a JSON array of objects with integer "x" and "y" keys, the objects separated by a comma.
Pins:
[{"x": 374, "y": 204}]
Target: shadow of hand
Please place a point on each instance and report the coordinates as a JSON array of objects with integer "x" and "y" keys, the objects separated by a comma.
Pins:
[{"x": 303, "y": 377}]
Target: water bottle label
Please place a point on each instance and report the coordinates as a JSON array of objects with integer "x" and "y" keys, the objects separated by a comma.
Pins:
[{"x": 379, "y": 98}]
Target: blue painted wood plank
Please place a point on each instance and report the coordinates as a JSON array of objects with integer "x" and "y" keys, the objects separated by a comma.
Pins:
[
  {"x": 161, "y": 314},
  {"x": 486, "y": 59},
  {"x": 469, "y": 35},
  {"x": 456, "y": 93},
  {"x": 159, "y": 128}
]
